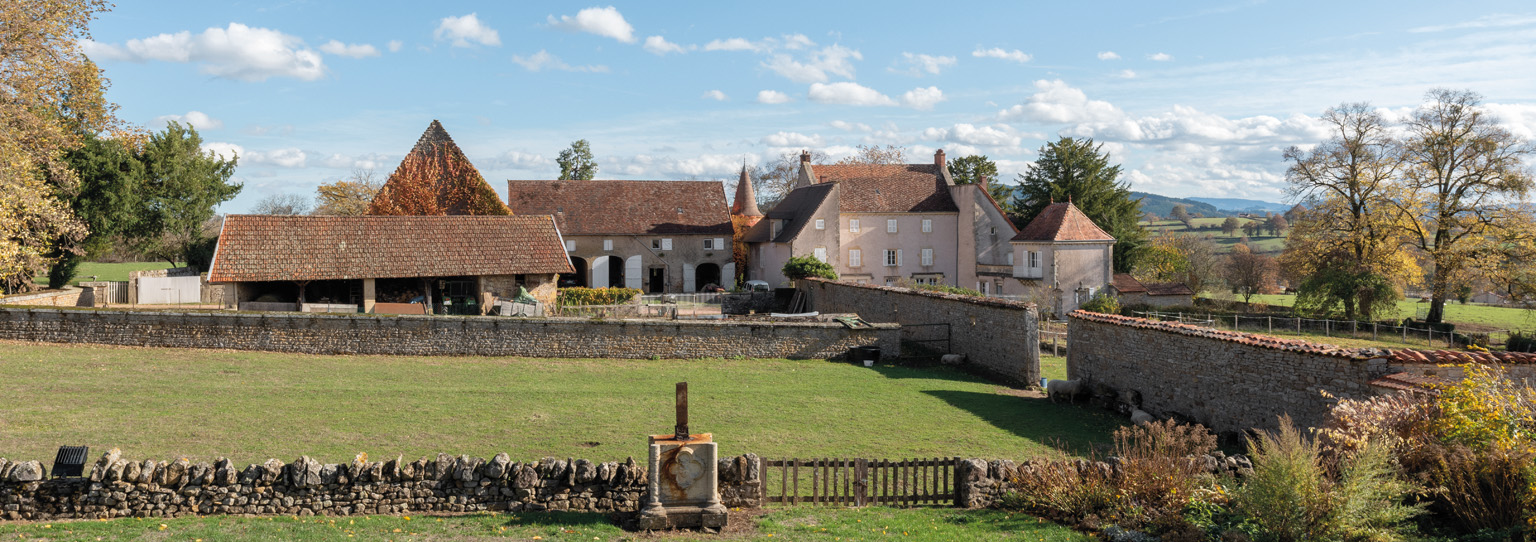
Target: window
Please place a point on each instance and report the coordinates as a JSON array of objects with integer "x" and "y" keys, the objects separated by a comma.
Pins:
[
  {"x": 928, "y": 257},
  {"x": 892, "y": 258},
  {"x": 709, "y": 244},
  {"x": 853, "y": 225},
  {"x": 778, "y": 227},
  {"x": 1010, "y": 258},
  {"x": 820, "y": 253},
  {"x": 982, "y": 287},
  {"x": 927, "y": 225},
  {"x": 570, "y": 245},
  {"x": 855, "y": 257},
  {"x": 890, "y": 225},
  {"x": 1034, "y": 259},
  {"x": 607, "y": 244},
  {"x": 821, "y": 224},
  {"x": 661, "y": 244}
]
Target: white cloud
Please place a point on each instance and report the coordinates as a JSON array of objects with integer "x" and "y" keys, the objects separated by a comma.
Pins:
[
  {"x": 922, "y": 98},
  {"x": 542, "y": 60},
  {"x": 791, "y": 139},
  {"x": 847, "y": 93},
  {"x": 987, "y": 136},
  {"x": 998, "y": 52},
  {"x": 519, "y": 160},
  {"x": 234, "y": 52},
  {"x": 1160, "y": 57},
  {"x": 919, "y": 64},
  {"x": 1519, "y": 119},
  {"x": 660, "y": 46},
  {"x": 197, "y": 119},
  {"x": 355, "y": 50},
  {"x": 605, "y": 22},
  {"x": 466, "y": 31},
  {"x": 817, "y": 66},
  {"x": 1055, "y": 102},
  {"x": 715, "y": 95},
  {"x": 771, "y": 97},
  {"x": 1108, "y": 55},
  {"x": 789, "y": 42},
  {"x": 395, "y": 45},
  {"x": 850, "y": 126},
  {"x": 1126, "y": 74},
  {"x": 223, "y": 150},
  {"x": 1486, "y": 21}
]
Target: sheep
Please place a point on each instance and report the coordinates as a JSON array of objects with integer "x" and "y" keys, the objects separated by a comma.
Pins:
[
  {"x": 1142, "y": 417},
  {"x": 1062, "y": 387},
  {"x": 952, "y": 359}
]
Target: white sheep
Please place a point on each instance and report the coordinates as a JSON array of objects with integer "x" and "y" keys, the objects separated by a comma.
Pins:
[
  {"x": 952, "y": 359},
  {"x": 1142, "y": 417},
  {"x": 1068, "y": 388}
]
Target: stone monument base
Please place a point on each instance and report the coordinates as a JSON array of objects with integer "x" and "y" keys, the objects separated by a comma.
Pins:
[{"x": 684, "y": 490}]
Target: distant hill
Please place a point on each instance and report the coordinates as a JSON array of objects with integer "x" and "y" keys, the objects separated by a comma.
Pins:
[
  {"x": 1239, "y": 205},
  {"x": 1163, "y": 205}
]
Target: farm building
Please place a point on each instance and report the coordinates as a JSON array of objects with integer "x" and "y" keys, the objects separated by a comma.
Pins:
[
  {"x": 1158, "y": 294},
  {"x": 386, "y": 264}
]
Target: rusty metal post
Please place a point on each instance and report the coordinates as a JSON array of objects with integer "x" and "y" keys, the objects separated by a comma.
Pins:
[{"x": 681, "y": 431}]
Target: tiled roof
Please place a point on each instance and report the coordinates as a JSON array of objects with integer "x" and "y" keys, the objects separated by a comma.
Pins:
[
  {"x": 1127, "y": 284},
  {"x": 1062, "y": 222},
  {"x": 745, "y": 203},
  {"x": 291, "y": 248},
  {"x": 1408, "y": 382},
  {"x": 626, "y": 207},
  {"x": 1168, "y": 288},
  {"x": 894, "y": 188},
  {"x": 796, "y": 210},
  {"x": 1436, "y": 357}
]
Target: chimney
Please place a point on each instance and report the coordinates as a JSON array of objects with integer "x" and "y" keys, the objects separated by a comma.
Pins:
[
  {"x": 938, "y": 158},
  {"x": 805, "y": 157}
]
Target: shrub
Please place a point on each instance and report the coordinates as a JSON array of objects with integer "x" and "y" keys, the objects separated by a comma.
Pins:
[
  {"x": 1102, "y": 303},
  {"x": 1520, "y": 342},
  {"x": 800, "y": 267},
  {"x": 568, "y": 297},
  {"x": 1486, "y": 411},
  {"x": 1398, "y": 421},
  {"x": 1479, "y": 490},
  {"x": 940, "y": 288}
]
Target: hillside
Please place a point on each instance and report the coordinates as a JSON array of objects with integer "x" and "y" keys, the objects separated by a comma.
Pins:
[
  {"x": 1239, "y": 205},
  {"x": 1162, "y": 205}
]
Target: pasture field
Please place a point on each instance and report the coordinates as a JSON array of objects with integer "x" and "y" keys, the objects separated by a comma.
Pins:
[
  {"x": 1260, "y": 242},
  {"x": 1481, "y": 316},
  {"x": 117, "y": 272},
  {"x": 162, "y": 404}
]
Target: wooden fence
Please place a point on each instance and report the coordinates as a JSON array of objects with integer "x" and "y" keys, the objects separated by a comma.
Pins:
[{"x": 860, "y": 482}]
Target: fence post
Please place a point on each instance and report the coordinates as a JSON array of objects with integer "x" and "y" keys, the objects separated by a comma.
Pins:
[
  {"x": 1327, "y": 327},
  {"x": 1234, "y": 322},
  {"x": 1373, "y": 330},
  {"x": 1405, "y": 334},
  {"x": 1054, "y": 349},
  {"x": 1298, "y": 325},
  {"x": 1271, "y": 321},
  {"x": 861, "y": 482}
]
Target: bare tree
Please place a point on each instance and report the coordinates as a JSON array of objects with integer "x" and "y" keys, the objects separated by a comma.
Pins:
[
  {"x": 876, "y": 155},
  {"x": 1251, "y": 273},
  {"x": 282, "y": 204},
  {"x": 1462, "y": 170}
]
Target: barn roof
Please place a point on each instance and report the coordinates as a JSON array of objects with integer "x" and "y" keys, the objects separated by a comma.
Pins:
[{"x": 626, "y": 207}]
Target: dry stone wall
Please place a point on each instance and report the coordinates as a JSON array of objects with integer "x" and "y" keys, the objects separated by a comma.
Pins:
[
  {"x": 443, "y": 335},
  {"x": 999, "y": 337},
  {"x": 1225, "y": 380},
  {"x": 67, "y": 297},
  {"x": 117, "y": 487}
]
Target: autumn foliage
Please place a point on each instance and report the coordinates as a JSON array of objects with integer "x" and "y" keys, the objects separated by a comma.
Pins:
[{"x": 437, "y": 180}]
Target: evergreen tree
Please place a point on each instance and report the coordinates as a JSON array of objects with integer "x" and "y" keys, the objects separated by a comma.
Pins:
[
  {"x": 181, "y": 187},
  {"x": 1076, "y": 170},
  {"x": 576, "y": 162}
]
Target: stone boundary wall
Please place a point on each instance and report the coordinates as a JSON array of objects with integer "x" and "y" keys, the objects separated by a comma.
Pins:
[
  {"x": 998, "y": 337},
  {"x": 69, "y": 296},
  {"x": 447, "y": 484},
  {"x": 1232, "y": 381},
  {"x": 443, "y": 335}
]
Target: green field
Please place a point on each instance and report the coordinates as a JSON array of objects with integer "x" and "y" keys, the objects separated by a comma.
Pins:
[
  {"x": 117, "y": 272},
  {"x": 1261, "y": 242},
  {"x": 801, "y": 523},
  {"x": 249, "y": 406},
  {"x": 1481, "y": 317}
]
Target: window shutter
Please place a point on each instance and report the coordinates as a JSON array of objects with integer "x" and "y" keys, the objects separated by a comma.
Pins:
[
  {"x": 666, "y": 244},
  {"x": 719, "y": 243},
  {"x": 890, "y": 225},
  {"x": 898, "y": 257},
  {"x": 570, "y": 245},
  {"x": 853, "y": 225},
  {"x": 607, "y": 244}
]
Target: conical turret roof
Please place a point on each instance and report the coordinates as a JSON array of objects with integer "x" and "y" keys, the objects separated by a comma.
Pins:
[{"x": 746, "y": 199}]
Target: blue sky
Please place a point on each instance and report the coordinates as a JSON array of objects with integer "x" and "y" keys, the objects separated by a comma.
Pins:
[{"x": 1194, "y": 99}]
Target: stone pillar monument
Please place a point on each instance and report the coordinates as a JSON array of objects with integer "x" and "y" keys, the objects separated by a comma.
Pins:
[{"x": 684, "y": 477}]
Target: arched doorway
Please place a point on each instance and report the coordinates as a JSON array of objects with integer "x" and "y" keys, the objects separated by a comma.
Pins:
[
  {"x": 577, "y": 279},
  {"x": 707, "y": 274}
]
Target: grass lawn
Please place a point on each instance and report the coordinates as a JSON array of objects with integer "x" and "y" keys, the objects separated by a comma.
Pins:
[
  {"x": 107, "y": 271},
  {"x": 249, "y": 406},
  {"x": 802, "y": 523},
  {"x": 1053, "y": 367},
  {"x": 1480, "y": 315}
]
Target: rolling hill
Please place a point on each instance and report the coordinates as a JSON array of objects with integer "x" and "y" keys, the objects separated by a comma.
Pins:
[
  {"x": 1163, "y": 205},
  {"x": 1239, "y": 205}
]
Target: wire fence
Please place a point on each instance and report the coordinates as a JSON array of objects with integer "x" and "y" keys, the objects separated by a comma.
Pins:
[
  {"x": 1293, "y": 325},
  {"x": 699, "y": 306}
]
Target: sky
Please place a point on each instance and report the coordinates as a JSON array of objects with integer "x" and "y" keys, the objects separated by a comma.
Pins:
[{"x": 1192, "y": 99}]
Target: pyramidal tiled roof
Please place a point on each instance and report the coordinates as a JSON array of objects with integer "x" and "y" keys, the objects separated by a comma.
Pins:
[
  {"x": 435, "y": 178},
  {"x": 1062, "y": 222}
]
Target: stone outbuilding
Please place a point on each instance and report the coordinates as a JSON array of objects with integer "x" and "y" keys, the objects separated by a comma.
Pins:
[
  {"x": 435, "y": 264},
  {"x": 1156, "y": 294},
  {"x": 1063, "y": 257},
  {"x": 655, "y": 236}
]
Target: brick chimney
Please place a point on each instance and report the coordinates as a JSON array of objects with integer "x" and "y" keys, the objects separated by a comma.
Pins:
[
  {"x": 805, "y": 157},
  {"x": 938, "y": 158}
]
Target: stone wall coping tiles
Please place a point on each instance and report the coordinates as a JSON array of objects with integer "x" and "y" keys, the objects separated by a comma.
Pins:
[{"x": 984, "y": 301}]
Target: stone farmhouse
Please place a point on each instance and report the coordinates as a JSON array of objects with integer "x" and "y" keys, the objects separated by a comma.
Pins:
[
  {"x": 879, "y": 224},
  {"x": 655, "y": 236},
  {"x": 378, "y": 263}
]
